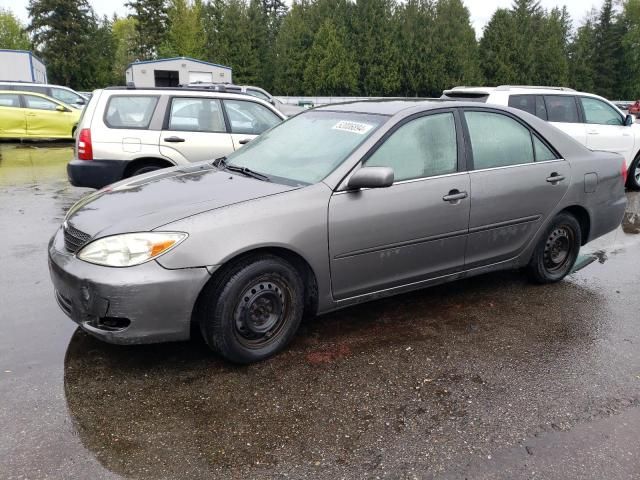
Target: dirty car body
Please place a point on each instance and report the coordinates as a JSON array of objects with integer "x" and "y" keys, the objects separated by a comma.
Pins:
[{"x": 336, "y": 206}]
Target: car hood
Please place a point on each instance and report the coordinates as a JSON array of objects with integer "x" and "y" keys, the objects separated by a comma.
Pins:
[{"x": 150, "y": 201}]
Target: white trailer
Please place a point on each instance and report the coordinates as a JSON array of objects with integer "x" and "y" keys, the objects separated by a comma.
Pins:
[
  {"x": 21, "y": 66},
  {"x": 171, "y": 72}
]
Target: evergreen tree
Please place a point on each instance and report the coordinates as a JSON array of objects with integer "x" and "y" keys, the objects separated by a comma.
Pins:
[
  {"x": 551, "y": 50},
  {"x": 61, "y": 31},
  {"x": 331, "y": 68},
  {"x": 376, "y": 46},
  {"x": 527, "y": 18},
  {"x": 497, "y": 57},
  {"x": 630, "y": 20},
  {"x": 12, "y": 33},
  {"x": 151, "y": 24},
  {"x": 185, "y": 36},
  {"x": 414, "y": 22},
  {"x": 292, "y": 49},
  {"x": 607, "y": 52},
  {"x": 582, "y": 58},
  {"x": 455, "y": 48},
  {"x": 123, "y": 31}
]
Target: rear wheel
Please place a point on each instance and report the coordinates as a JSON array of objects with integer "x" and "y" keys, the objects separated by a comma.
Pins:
[
  {"x": 252, "y": 310},
  {"x": 144, "y": 169},
  {"x": 633, "y": 181},
  {"x": 557, "y": 250}
]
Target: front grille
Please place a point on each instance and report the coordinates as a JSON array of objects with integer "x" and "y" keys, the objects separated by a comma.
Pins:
[{"x": 74, "y": 238}]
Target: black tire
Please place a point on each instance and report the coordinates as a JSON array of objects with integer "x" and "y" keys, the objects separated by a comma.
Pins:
[
  {"x": 144, "y": 169},
  {"x": 252, "y": 309},
  {"x": 557, "y": 250},
  {"x": 633, "y": 180}
]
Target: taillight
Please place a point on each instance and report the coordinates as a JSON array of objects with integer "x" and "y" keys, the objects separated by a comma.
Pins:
[
  {"x": 85, "y": 150},
  {"x": 624, "y": 172}
]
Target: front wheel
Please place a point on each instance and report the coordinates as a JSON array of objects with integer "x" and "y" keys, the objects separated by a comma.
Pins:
[
  {"x": 633, "y": 182},
  {"x": 253, "y": 309},
  {"x": 557, "y": 251}
]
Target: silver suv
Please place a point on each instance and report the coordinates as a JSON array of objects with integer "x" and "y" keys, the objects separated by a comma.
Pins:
[{"x": 125, "y": 132}]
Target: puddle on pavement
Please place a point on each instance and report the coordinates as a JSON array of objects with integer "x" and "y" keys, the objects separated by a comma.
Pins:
[
  {"x": 33, "y": 162},
  {"x": 381, "y": 372}
]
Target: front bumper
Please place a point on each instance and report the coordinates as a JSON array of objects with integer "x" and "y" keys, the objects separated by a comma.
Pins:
[
  {"x": 95, "y": 173},
  {"x": 142, "y": 304}
]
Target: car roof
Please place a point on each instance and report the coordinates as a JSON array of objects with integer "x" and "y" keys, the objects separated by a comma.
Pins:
[{"x": 389, "y": 106}]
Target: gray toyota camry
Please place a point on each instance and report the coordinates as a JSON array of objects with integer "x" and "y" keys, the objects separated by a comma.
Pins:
[{"x": 336, "y": 206}]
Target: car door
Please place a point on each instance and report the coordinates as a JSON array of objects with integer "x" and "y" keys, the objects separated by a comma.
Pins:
[
  {"x": 517, "y": 180},
  {"x": 195, "y": 130},
  {"x": 13, "y": 119},
  {"x": 248, "y": 119},
  {"x": 605, "y": 128},
  {"x": 412, "y": 231},
  {"x": 43, "y": 118},
  {"x": 562, "y": 111}
]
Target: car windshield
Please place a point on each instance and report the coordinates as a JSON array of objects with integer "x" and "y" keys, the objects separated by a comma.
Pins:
[{"x": 308, "y": 147}]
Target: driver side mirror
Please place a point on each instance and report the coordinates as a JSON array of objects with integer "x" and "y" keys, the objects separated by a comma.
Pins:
[
  {"x": 628, "y": 120},
  {"x": 371, "y": 177}
]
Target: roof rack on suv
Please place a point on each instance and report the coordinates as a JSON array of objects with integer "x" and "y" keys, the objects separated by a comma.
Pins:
[
  {"x": 509, "y": 87},
  {"x": 197, "y": 88}
]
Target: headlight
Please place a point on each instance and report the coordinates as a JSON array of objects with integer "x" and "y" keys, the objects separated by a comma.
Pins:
[{"x": 130, "y": 249}]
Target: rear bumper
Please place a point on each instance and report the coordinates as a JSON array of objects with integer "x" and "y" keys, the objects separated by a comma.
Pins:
[
  {"x": 95, "y": 173},
  {"x": 142, "y": 304}
]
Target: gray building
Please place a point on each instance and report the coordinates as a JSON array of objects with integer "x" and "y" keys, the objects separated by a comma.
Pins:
[
  {"x": 171, "y": 72},
  {"x": 21, "y": 66}
]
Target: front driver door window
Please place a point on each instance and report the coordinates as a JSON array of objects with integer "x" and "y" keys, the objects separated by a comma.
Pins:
[
  {"x": 605, "y": 128},
  {"x": 248, "y": 119},
  {"x": 388, "y": 237}
]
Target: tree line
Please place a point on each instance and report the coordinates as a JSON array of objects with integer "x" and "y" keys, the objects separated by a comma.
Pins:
[{"x": 341, "y": 47}]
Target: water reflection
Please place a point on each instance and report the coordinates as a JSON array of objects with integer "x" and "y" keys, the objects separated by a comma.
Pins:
[
  {"x": 33, "y": 163},
  {"x": 353, "y": 385}
]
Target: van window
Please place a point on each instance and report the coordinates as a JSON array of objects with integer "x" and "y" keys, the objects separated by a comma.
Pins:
[
  {"x": 196, "y": 115},
  {"x": 562, "y": 108},
  {"x": 130, "y": 111},
  {"x": 498, "y": 140},
  {"x": 66, "y": 96},
  {"x": 249, "y": 118},
  {"x": 600, "y": 113}
]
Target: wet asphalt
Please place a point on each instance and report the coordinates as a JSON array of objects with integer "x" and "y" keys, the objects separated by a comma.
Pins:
[{"x": 487, "y": 378}]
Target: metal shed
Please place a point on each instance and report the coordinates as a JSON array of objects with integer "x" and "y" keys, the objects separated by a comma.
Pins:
[
  {"x": 21, "y": 66},
  {"x": 171, "y": 72}
]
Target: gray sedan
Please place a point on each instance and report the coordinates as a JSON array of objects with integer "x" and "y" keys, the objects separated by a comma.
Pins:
[{"x": 336, "y": 206}]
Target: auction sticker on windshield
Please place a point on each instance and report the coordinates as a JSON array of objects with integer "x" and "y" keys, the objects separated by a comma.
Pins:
[{"x": 353, "y": 127}]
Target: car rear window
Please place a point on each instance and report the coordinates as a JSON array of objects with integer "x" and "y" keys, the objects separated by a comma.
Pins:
[{"x": 130, "y": 111}]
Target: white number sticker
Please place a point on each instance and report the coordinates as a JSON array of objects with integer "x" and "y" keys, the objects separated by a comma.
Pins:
[{"x": 353, "y": 127}]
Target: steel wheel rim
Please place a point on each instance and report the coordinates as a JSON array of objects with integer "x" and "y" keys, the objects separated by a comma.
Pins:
[
  {"x": 261, "y": 312},
  {"x": 558, "y": 249}
]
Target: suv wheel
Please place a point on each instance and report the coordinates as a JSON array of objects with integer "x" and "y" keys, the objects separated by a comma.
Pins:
[
  {"x": 252, "y": 310},
  {"x": 633, "y": 182},
  {"x": 557, "y": 250},
  {"x": 144, "y": 169}
]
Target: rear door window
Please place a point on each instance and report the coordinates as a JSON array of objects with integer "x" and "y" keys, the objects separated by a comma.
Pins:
[
  {"x": 526, "y": 103},
  {"x": 498, "y": 140},
  {"x": 249, "y": 118},
  {"x": 9, "y": 100},
  {"x": 130, "y": 111},
  {"x": 196, "y": 115},
  {"x": 562, "y": 108}
]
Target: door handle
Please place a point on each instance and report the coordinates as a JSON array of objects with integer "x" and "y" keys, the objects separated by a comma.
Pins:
[
  {"x": 454, "y": 196},
  {"x": 174, "y": 139},
  {"x": 555, "y": 178},
  {"x": 244, "y": 141}
]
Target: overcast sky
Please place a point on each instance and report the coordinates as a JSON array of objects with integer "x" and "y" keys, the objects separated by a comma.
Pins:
[{"x": 481, "y": 10}]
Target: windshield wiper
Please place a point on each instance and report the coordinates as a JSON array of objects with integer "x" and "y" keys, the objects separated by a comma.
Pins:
[
  {"x": 220, "y": 162},
  {"x": 246, "y": 171}
]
